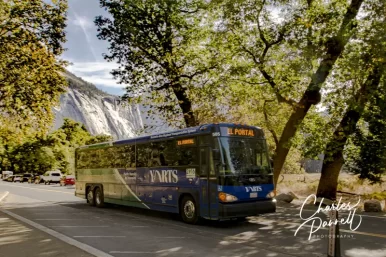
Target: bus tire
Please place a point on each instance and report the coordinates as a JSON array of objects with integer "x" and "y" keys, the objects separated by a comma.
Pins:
[
  {"x": 188, "y": 210},
  {"x": 90, "y": 197},
  {"x": 99, "y": 200}
]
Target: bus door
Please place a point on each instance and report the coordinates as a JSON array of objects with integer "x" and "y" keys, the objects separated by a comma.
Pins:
[{"x": 208, "y": 185}]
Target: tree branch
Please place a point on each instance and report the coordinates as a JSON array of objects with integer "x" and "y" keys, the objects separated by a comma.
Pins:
[
  {"x": 267, "y": 122},
  {"x": 189, "y": 12},
  {"x": 164, "y": 86},
  {"x": 249, "y": 82},
  {"x": 199, "y": 72}
]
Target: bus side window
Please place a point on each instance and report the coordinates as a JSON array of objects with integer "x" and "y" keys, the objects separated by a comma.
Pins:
[
  {"x": 169, "y": 153},
  {"x": 129, "y": 156},
  {"x": 105, "y": 158},
  {"x": 211, "y": 164},
  {"x": 79, "y": 161},
  {"x": 143, "y": 152},
  {"x": 117, "y": 157},
  {"x": 94, "y": 156},
  {"x": 205, "y": 139},
  {"x": 187, "y": 156},
  {"x": 203, "y": 161},
  {"x": 157, "y": 157}
]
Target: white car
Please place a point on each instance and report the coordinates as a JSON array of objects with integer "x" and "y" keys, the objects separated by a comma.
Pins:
[
  {"x": 52, "y": 177},
  {"x": 14, "y": 178}
]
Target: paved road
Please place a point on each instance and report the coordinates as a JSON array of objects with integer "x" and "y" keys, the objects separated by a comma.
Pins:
[{"x": 123, "y": 231}]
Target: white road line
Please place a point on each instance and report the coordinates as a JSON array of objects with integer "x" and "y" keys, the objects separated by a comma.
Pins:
[
  {"x": 43, "y": 189},
  {"x": 60, "y": 219},
  {"x": 172, "y": 237},
  {"x": 56, "y": 213},
  {"x": 66, "y": 239},
  {"x": 98, "y": 236},
  {"x": 165, "y": 252},
  {"x": 131, "y": 252},
  {"x": 4, "y": 196},
  {"x": 139, "y": 226},
  {"x": 79, "y": 226}
]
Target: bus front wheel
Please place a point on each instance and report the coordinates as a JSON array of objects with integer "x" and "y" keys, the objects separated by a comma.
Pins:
[{"x": 188, "y": 210}]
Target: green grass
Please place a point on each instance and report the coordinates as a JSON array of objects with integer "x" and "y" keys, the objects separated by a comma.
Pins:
[{"x": 377, "y": 196}]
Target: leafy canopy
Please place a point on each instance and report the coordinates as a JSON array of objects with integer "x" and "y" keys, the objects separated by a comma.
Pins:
[
  {"x": 31, "y": 38},
  {"x": 164, "y": 52}
]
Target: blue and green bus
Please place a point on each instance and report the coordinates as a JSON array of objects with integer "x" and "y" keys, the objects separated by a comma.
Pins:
[{"x": 213, "y": 171}]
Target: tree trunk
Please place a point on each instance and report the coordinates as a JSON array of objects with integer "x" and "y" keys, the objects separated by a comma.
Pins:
[
  {"x": 332, "y": 165},
  {"x": 328, "y": 182},
  {"x": 185, "y": 105},
  {"x": 335, "y": 47}
]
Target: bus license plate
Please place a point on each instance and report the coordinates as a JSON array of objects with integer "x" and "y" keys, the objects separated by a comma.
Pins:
[{"x": 253, "y": 195}]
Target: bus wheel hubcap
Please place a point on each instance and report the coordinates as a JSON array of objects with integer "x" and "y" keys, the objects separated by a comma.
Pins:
[
  {"x": 90, "y": 197},
  {"x": 189, "y": 209},
  {"x": 98, "y": 200}
]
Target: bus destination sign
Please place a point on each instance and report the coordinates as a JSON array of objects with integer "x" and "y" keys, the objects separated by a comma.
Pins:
[
  {"x": 243, "y": 132},
  {"x": 189, "y": 141}
]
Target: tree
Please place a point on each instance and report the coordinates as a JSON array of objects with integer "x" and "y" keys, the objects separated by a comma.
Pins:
[
  {"x": 334, "y": 159},
  {"x": 33, "y": 157},
  {"x": 370, "y": 161},
  {"x": 99, "y": 139},
  {"x": 31, "y": 38},
  {"x": 292, "y": 57},
  {"x": 163, "y": 51},
  {"x": 75, "y": 133},
  {"x": 372, "y": 62}
]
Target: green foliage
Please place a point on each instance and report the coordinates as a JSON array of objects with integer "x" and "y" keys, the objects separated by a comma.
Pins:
[
  {"x": 378, "y": 196},
  {"x": 99, "y": 139},
  {"x": 33, "y": 156},
  {"x": 74, "y": 133},
  {"x": 293, "y": 163},
  {"x": 82, "y": 86},
  {"x": 368, "y": 151},
  {"x": 53, "y": 151},
  {"x": 164, "y": 51},
  {"x": 31, "y": 38}
]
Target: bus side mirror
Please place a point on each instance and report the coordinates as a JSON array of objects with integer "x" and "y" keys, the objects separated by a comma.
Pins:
[{"x": 216, "y": 154}]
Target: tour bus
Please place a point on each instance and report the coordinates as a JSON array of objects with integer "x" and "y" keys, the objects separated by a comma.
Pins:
[{"x": 213, "y": 171}]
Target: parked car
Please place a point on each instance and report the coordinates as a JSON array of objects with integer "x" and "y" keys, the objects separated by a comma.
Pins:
[
  {"x": 38, "y": 179},
  {"x": 5, "y": 174},
  {"x": 51, "y": 177},
  {"x": 14, "y": 178},
  {"x": 67, "y": 180},
  {"x": 33, "y": 178},
  {"x": 25, "y": 177}
]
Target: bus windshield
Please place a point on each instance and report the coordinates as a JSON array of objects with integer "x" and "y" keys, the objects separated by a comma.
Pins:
[{"x": 244, "y": 156}]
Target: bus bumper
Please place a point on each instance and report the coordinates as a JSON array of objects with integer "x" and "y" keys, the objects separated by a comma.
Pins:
[{"x": 234, "y": 210}]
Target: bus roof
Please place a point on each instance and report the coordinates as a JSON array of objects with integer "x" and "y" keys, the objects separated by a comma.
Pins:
[{"x": 202, "y": 129}]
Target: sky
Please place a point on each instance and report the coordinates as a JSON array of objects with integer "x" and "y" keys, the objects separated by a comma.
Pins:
[{"x": 84, "y": 49}]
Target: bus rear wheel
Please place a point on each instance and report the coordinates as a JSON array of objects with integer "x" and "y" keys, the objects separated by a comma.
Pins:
[
  {"x": 90, "y": 197},
  {"x": 99, "y": 201},
  {"x": 188, "y": 210}
]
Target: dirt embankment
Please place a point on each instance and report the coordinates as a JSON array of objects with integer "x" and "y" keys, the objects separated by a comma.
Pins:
[{"x": 350, "y": 187}]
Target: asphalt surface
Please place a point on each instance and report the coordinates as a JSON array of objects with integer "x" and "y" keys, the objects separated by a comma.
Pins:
[{"x": 123, "y": 231}]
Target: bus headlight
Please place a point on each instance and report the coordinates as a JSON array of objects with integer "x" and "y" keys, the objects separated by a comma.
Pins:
[
  {"x": 226, "y": 197},
  {"x": 271, "y": 194}
]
